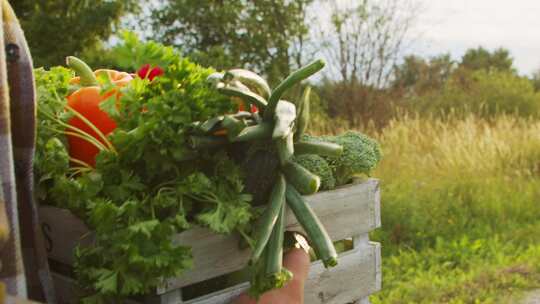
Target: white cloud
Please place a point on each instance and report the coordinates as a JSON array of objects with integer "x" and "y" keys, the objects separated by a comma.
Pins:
[{"x": 456, "y": 25}]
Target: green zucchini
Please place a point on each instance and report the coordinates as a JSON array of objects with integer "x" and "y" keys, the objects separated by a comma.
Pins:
[
  {"x": 303, "y": 180},
  {"x": 209, "y": 125},
  {"x": 233, "y": 126},
  {"x": 268, "y": 218},
  {"x": 320, "y": 148},
  {"x": 214, "y": 79},
  {"x": 320, "y": 240},
  {"x": 274, "y": 272},
  {"x": 250, "y": 79},
  {"x": 256, "y": 132},
  {"x": 242, "y": 115},
  {"x": 245, "y": 94},
  {"x": 206, "y": 142}
]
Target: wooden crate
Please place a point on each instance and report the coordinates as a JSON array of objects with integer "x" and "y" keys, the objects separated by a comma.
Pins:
[{"x": 348, "y": 212}]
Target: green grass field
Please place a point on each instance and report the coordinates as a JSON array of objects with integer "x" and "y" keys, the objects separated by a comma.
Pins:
[{"x": 460, "y": 210}]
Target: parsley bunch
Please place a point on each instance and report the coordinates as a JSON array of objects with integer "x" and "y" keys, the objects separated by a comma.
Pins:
[{"x": 153, "y": 187}]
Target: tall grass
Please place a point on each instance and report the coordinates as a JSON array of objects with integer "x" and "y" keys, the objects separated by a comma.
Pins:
[
  {"x": 445, "y": 176},
  {"x": 448, "y": 146},
  {"x": 460, "y": 209}
]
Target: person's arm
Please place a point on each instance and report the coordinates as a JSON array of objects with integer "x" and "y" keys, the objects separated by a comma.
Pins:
[{"x": 297, "y": 261}]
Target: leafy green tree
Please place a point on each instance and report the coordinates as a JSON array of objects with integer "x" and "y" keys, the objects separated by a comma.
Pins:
[
  {"x": 57, "y": 28},
  {"x": 535, "y": 80},
  {"x": 418, "y": 75},
  {"x": 355, "y": 102},
  {"x": 484, "y": 93},
  {"x": 482, "y": 59},
  {"x": 257, "y": 35}
]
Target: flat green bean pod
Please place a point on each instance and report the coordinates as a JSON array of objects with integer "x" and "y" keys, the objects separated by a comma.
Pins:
[
  {"x": 269, "y": 218},
  {"x": 290, "y": 81},
  {"x": 320, "y": 240},
  {"x": 302, "y": 121},
  {"x": 250, "y": 79}
]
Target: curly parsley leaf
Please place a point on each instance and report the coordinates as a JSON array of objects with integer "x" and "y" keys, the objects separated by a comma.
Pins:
[{"x": 135, "y": 201}]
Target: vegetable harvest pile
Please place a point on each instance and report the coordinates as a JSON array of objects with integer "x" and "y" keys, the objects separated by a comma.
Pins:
[{"x": 142, "y": 157}]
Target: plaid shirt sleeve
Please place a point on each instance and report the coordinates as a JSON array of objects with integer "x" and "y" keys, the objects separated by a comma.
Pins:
[{"x": 19, "y": 223}]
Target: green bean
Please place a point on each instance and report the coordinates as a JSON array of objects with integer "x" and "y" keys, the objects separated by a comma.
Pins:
[
  {"x": 290, "y": 81},
  {"x": 321, "y": 242},
  {"x": 247, "y": 96},
  {"x": 269, "y": 218},
  {"x": 250, "y": 79},
  {"x": 302, "y": 121},
  {"x": 321, "y": 148},
  {"x": 256, "y": 132},
  {"x": 305, "y": 181},
  {"x": 206, "y": 142},
  {"x": 274, "y": 259},
  {"x": 233, "y": 126},
  {"x": 208, "y": 125}
]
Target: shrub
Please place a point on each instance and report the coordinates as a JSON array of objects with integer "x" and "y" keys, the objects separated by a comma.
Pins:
[{"x": 486, "y": 93}]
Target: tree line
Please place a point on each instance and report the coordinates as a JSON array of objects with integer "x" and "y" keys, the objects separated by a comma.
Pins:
[{"x": 368, "y": 78}]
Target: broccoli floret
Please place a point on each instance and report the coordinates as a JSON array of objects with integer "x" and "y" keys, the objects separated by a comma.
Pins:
[
  {"x": 360, "y": 155},
  {"x": 320, "y": 167}
]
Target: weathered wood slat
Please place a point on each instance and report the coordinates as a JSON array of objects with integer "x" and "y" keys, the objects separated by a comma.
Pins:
[
  {"x": 68, "y": 291},
  {"x": 65, "y": 289},
  {"x": 345, "y": 212},
  {"x": 349, "y": 211},
  {"x": 353, "y": 279},
  {"x": 62, "y": 232}
]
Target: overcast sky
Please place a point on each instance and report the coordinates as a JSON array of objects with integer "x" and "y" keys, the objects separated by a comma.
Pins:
[{"x": 456, "y": 25}]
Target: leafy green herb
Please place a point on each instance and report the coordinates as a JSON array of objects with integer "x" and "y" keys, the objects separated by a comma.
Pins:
[{"x": 154, "y": 187}]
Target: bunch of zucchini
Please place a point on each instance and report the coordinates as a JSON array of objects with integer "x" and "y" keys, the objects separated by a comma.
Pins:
[{"x": 281, "y": 124}]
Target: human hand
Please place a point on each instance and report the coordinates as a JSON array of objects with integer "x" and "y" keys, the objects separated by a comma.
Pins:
[{"x": 297, "y": 261}]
